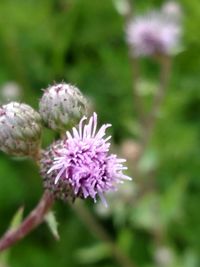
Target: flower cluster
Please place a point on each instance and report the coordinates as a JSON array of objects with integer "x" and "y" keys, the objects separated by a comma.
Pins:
[
  {"x": 156, "y": 33},
  {"x": 81, "y": 163}
]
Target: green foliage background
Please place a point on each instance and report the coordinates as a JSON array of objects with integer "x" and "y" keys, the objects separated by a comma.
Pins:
[{"x": 83, "y": 42}]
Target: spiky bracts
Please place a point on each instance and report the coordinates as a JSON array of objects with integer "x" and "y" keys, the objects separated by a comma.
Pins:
[
  {"x": 62, "y": 106},
  {"x": 20, "y": 129}
]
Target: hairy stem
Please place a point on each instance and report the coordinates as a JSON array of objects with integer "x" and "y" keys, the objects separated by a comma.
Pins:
[
  {"x": 100, "y": 232},
  {"x": 35, "y": 218}
]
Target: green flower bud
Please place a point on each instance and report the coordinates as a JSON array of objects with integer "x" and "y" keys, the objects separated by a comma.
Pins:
[
  {"x": 62, "y": 106},
  {"x": 20, "y": 129}
]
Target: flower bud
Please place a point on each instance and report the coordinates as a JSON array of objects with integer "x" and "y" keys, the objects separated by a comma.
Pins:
[
  {"x": 20, "y": 129},
  {"x": 172, "y": 9},
  {"x": 10, "y": 91},
  {"x": 61, "y": 106}
]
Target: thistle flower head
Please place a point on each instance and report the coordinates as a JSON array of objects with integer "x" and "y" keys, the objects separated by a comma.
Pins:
[
  {"x": 10, "y": 91},
  {"x": 154, "y": 34},
  {"x": 82, "y": 163},
  {"x": 172, "y": 9},
  {"x": 61, "y": 106},
  {"x": 20, "y": 129}
]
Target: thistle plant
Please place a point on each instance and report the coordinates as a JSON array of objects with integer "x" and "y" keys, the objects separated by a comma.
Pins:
[{"x": 78, "y": 165}]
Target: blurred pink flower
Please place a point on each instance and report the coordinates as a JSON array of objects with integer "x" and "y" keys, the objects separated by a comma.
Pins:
[{"x": 154, "y": 34}]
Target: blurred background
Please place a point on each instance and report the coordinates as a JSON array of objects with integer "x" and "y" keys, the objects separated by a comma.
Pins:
[{"x": 152, "y": 221}]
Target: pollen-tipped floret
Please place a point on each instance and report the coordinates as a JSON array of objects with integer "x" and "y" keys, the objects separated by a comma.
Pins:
[
  {"x": 154, "y": 34},
  {"x": 61, "y": 106},
  {"x": 20, "y": 129},
  {"x": 81, "y": 164}
]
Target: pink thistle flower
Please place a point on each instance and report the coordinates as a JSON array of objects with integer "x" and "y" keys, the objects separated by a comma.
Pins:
[
  {"x": 155, "y": 33},
  {"x": 82, "y": 162}
]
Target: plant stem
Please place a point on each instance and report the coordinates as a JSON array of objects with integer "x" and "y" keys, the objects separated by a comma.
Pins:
[
  {"x": 35, "y": 218},
  {"x": 95, "y": 227},
  {"x": 151, "y": 119},
  {"x": 135, "y": 68}
]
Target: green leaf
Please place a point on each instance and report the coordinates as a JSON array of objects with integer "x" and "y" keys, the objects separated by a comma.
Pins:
[
  {"x": 149, "y": 161},
  {"x": 93, "y": 254},
  {"x": 4, "y": 259},
  {"x": 145, "y": 214},
  {"x": 17, "y": 219},
  {"x": 15, "y": 222},
  {"x": 52, "y": 224},
  {"x": 125, "y": 239},
  {"x": 171, "y": 201}
]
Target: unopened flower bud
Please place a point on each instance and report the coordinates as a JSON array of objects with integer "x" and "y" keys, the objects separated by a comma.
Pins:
[
  {"x": 164, "y": 256},
  {"x": 20, "y": 129},
  {"x": 172, "y": 9},
  {"x": 10, "y": 91},
  {"x": 131, "y": 150},
  {"x": 61, "y": 106}
]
